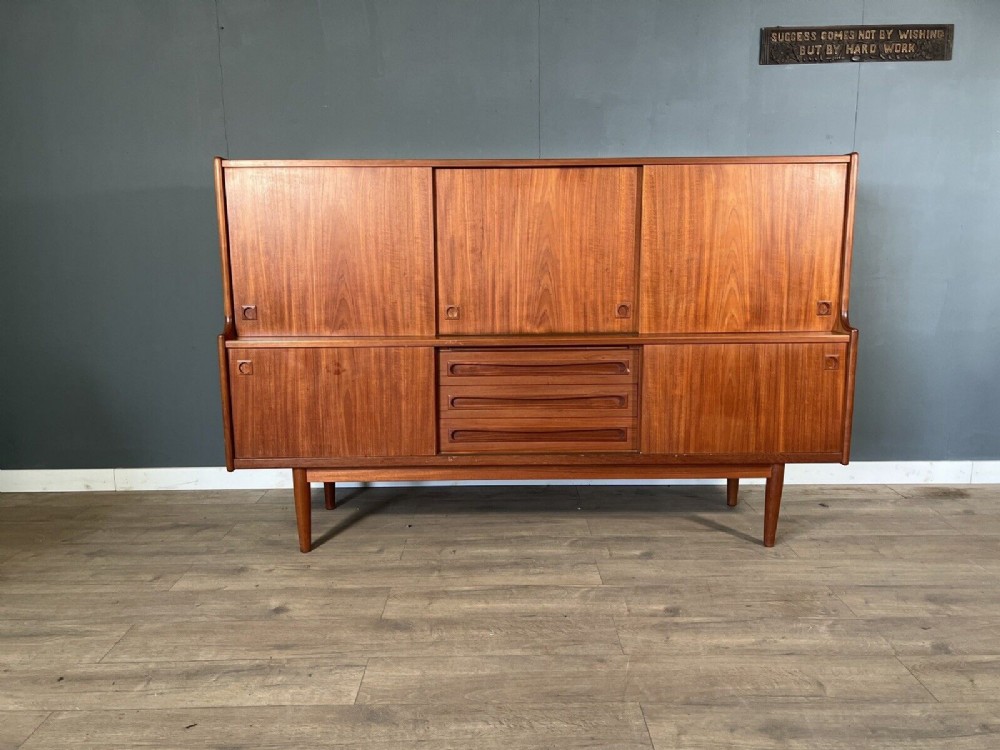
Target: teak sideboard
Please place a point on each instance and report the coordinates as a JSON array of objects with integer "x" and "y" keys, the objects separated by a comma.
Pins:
[{"x": 536, "y": 319}]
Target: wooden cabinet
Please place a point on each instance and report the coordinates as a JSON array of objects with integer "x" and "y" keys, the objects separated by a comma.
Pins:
[{"x": 611, "y": 318}]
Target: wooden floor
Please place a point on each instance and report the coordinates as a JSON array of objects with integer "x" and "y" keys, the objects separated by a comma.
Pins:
[{"x": 502, "y": 617}]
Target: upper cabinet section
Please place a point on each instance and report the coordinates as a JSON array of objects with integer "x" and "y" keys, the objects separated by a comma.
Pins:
[
  {"x": 537, "y": 250},
  {"x": 742, "y": 247},
  {"x": 331, "y": 251}
]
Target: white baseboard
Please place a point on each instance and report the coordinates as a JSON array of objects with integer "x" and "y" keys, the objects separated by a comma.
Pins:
[{"x": 217, "y": 478}]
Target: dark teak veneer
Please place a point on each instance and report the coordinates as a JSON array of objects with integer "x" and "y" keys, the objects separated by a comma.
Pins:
[{"x": 536, "y": 319}]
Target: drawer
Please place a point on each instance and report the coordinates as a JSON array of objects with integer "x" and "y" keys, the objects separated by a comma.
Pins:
[
  {"x": 537, "y": 401},
  {"x": 540, "y": 366},
  {"x": 499, "y": 435}
]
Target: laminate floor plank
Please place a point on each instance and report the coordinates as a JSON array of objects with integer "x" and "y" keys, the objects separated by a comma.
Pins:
[
  {"x": 24, "y": 534},
  {"x": 926, "y": 636},
  {"x": 506, "y": 548},
  {"x": 265, "y": 682},
  {"x": 494, "y": 679},
  {"x": 830, "y": 725},
  {"x": 364, "y": 572},
  {"x": 803, "y": 496},
  {"x": 500, "y": 601},
  {"x": 724, "y": 680},
  {"x": 734, "y": 599},
  {"x": 114, "y": 604},
  {"x": 41, "y": 571},
  {"x": 157, "y": 531},
  {"x": 958, "y": 679},
  {"x": 921, "y": 601},
  {"x": 802, "y": 522},
  {"x": 265, "y": 537},
  {"x": 722, "y": 545},
  {"x": 496, "y": 525},
  {"x": 130, "y": 517},
  {"x": 955, "y": 547},
  {"x": 829, "y": 571},
  {"x": 946, "y": 495},
  {"x": 115, "y": 499},
  {"x": 225, "y": 552},
  {"x": 354, "y": 637},
  {"x": 681, "y": 636},
  {"x": 616, "y": 726},
  {"x": 17, "y": 726},
  {"x": 54, "y": 643},
  {"x": 677, "y": 527}
]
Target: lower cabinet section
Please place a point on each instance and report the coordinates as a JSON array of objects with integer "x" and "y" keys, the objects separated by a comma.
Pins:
[
  {"x": 743, "y": 398},
  {"x": 734, "y": 401},
  {"x": 340, "y": 401}
]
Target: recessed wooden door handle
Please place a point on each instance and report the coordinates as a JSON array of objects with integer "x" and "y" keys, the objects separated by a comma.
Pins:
[
  {"x": 824, "y": 307},
  {"x": 249, "y": 312},
  {"x": 623, "y": 311},
  {"x": 244, "y": 366},
  {"x": 453, "y": 312}
]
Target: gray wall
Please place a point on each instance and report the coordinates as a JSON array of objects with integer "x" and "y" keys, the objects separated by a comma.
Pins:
[{"x": 109, "y": 113}]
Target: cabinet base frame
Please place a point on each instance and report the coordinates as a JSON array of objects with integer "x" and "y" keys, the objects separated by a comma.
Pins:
[{"x": 774, "y": 474}]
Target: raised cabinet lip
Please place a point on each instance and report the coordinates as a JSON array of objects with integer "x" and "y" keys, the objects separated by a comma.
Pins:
[
  {"x": 623, "y": 161},
  {"x": 528, "y": 342}
]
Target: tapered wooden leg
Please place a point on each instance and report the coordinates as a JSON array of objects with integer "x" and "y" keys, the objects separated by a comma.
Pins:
[
  {"x": 303, "y": 509},
  {"x": 732, "y": 492},
  {"x": 328, "y": 496},
  {"x": 772, "y": 502}
]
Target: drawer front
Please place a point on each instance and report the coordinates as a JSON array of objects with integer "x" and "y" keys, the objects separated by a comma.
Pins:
[
  {"x": 538, "y": 366},
  {"x": 500, "y": 435},
  {"x": 537, "y": 401},
  {"x": 542, "y": 400}
]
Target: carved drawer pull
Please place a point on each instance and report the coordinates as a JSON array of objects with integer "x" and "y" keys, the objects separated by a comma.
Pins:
[
  {"x": 249, "y": 312},
  {"x": 244, "y": 366},
  {"x": 596, "y": 402},
  {"x": 611, "y": 435},
  {"x": 460, "y": 369},
  {"x": 824, "y": 307}
]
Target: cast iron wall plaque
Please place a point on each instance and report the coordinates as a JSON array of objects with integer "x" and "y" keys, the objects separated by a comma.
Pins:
[{"x": 789, "y": 45}]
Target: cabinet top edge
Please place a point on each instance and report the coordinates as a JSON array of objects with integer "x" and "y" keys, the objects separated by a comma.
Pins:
[
  {"x": 486, "y": 163},
  {"x": 539, "y": 341}
]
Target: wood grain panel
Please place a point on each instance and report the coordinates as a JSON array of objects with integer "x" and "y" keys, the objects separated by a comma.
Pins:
[
  {"x": 539, "y": 366},
  {"x": 743, "y": 398},
  {"x": 741, "y": 247},
  {"x": 547, "y": 250},
  {"x": 333, "y": 402},
  {"x": 332, "y": 251}
]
